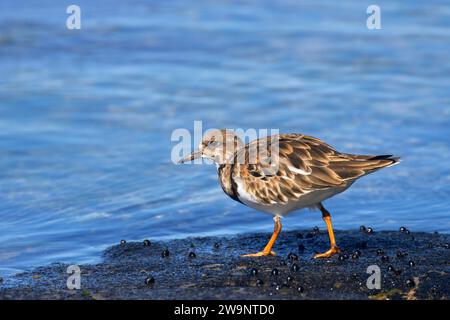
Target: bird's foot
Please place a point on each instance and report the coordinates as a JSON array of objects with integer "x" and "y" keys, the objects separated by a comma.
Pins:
[
  {"x": 328, "y": 254},
  {"x": 258, "y": 254}
]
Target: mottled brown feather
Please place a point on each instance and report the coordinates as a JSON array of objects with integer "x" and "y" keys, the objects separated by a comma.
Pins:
[{"x": 304, "y": 164}]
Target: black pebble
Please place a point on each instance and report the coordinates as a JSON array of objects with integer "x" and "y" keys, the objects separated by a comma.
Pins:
[
  {"x": 295, "y": 267},
  {"x": 146, "y": 243},
  {"x": 254, "y": 271},
  {"x": 289, "y": 278},
  {"x": 165, "y": 253},
  {"x": 346, "y": 256},
  {"x": 401, "y": 254},
  {"x": 380, "y": 252},
  {"x": 275, "y": 272},
  {"x": 362, "y": 229},
  {"x": 299, "y": 236},
  {"x": 407, "y": 232},
  {"x": 403, "y": 229},
  {"x": 216, "y": 245},
  {"x": 410, "y": 283},
  {"x": 123, "y": 242},
  {"x": 192, "y": 255},
  {"x": 390, "y": 268},
  {"x": 341, "y": 257},
  {"x": 446, "y": 246},
  {"x": 301, "y": 247},
  {"x": 300, "y": 289},
  {"x": 370, "y": 230},
  {"x": 411, "y": 263},
  {"x": 277, "y": 287},
  {"x": 259, "y": 283},
  {"x": 385, "y": 258},
  {"x": 355, "y": 256},
  {"x": 292, "y": 256},
  {"x": 358, "y": 253},
  {"x": 149, "y": 281}
]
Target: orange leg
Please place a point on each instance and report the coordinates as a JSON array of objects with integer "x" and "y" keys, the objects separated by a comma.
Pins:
[
  {"x": 334, "y": 248},
  {"x": 268, "y": 249}
]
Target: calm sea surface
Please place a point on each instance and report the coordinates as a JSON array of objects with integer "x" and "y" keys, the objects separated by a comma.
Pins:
[{"x": 86, "y": 115}]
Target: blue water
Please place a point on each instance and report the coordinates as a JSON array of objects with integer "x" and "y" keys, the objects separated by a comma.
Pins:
[{"x": 86, "y": 115}]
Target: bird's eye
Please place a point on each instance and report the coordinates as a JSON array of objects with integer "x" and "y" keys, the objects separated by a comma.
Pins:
[{"x": 214, "y": 144}]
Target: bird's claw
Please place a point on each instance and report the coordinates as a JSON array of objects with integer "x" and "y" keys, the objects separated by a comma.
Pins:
[
  {"x": 259, "y": 254},
  {"x": 328, "y": 253}
]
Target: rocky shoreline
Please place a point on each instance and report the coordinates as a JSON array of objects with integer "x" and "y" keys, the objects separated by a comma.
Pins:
[{"x": 412, "y": 266}]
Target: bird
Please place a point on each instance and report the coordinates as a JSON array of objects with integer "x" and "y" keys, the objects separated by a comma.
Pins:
[{"x": 282, "y": 173}]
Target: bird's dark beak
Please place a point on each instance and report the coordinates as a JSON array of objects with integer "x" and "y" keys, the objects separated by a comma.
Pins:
[{"x": 194, "y": 155}]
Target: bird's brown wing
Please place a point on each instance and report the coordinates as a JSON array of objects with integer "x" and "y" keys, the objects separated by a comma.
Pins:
[{"x": 301, "y": 164}]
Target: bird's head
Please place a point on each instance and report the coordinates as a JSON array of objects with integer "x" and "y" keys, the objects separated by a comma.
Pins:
[{"x": 216, "y": 145}]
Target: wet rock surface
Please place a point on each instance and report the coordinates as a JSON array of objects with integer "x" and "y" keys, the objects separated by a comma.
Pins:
[{"x": 412, "y": 265}]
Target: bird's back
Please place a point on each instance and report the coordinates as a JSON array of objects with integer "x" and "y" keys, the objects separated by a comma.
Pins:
[{"x": 303, "y": 169}]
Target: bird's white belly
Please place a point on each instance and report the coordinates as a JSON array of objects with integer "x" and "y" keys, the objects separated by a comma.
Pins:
[{"x": 306, "y": 200}]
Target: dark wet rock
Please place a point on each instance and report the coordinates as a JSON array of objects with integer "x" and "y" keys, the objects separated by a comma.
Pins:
[
  {"x": 292, "y": 256},
  {"x": 165, "y": 253},
  {"x": 123, "y": 242},
  {"x": 192, "y": 255},
  {"x": 253, "y": 271},
  {"x": 146, "y": 243},
  {"x": 224, "y": 274},
  {"x": 370, "y": 230},
  {"x": 362, "y": 229},
  {"x": 398, "y": 272},
  {"x": 149, "y": 281},
  {"x": 410, "y": 282},
  {"x": 295, "y": 267}
]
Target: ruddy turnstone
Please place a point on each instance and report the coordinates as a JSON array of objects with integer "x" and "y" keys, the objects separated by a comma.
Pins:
[{"x": 302, "y": 172}]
